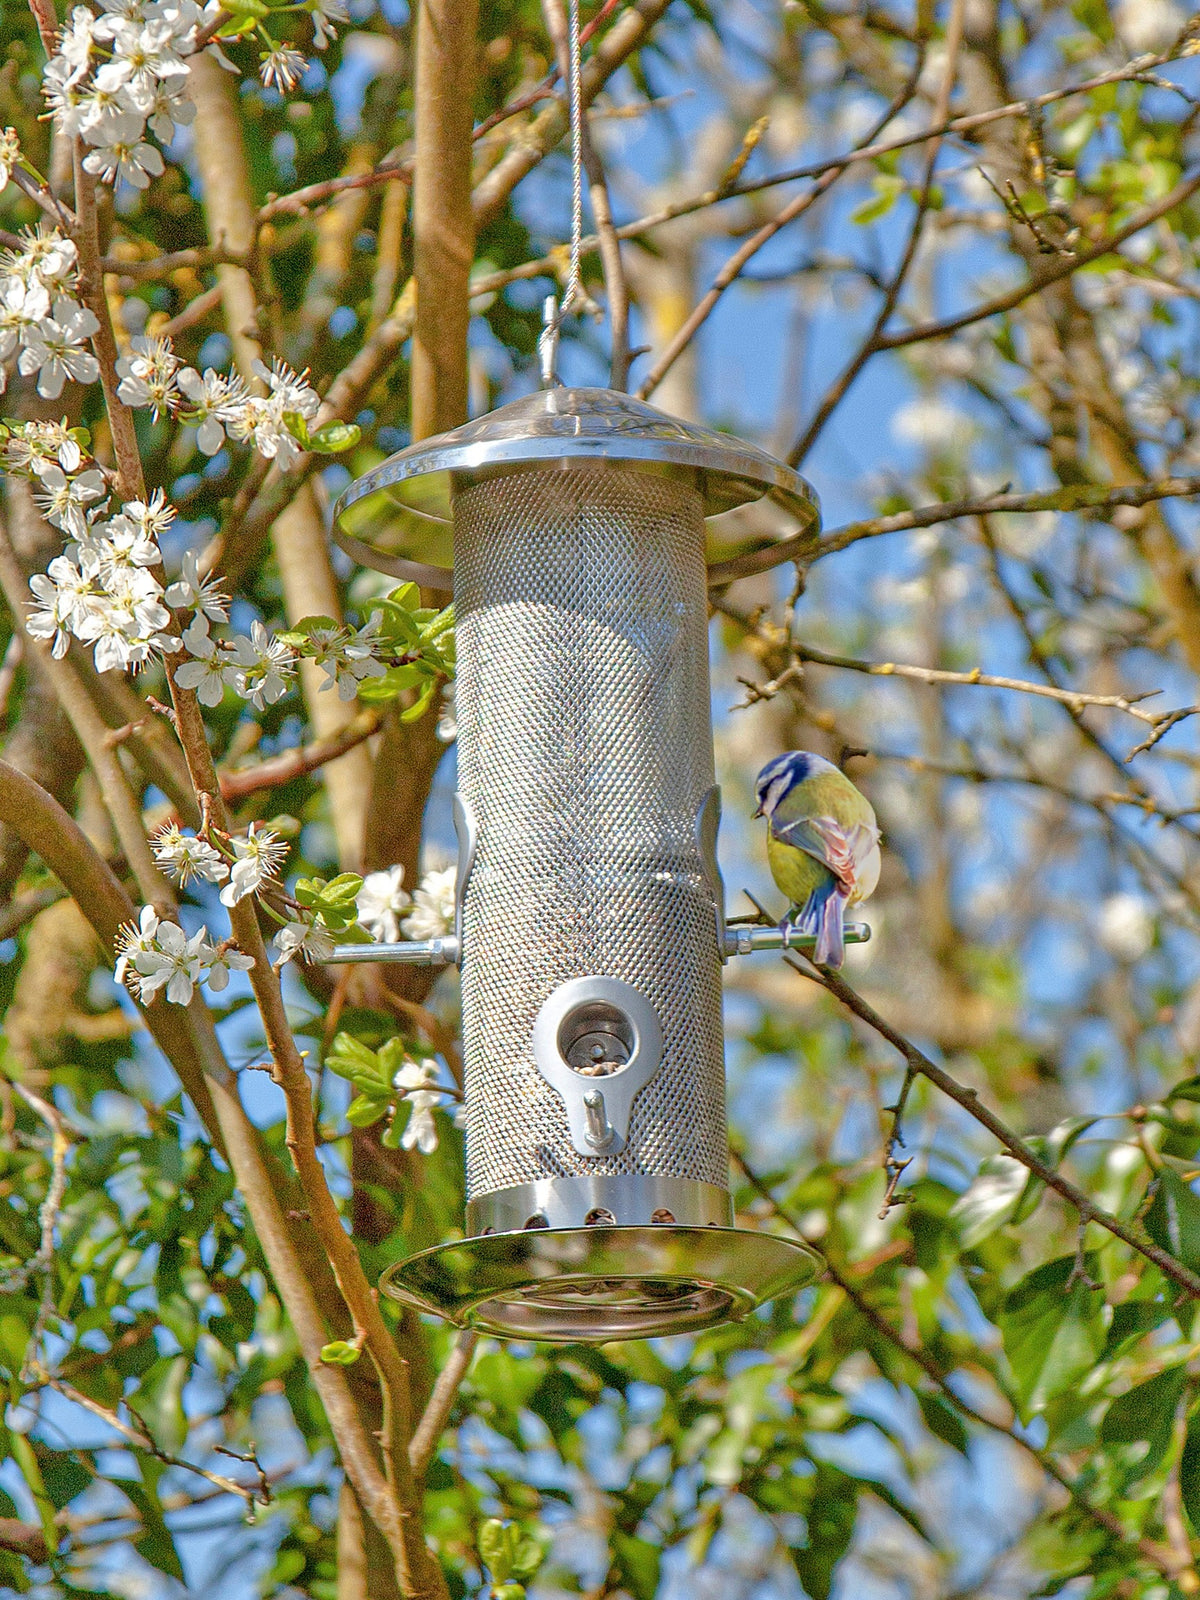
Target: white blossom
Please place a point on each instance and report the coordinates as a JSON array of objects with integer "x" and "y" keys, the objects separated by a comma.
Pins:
[
  {"x": 1149, "y": 24},
  {"x": 63, "y": 501},
  {"x": 216, "y": 400},
  {"x": 173, "y": 961},
  {"x": 380, "y": 902},
  {"x": 75, "y": 46},
  {"x": 119, "y": 156},
  {"x": 10, "y": 154},
  {"x": 262, "y": 666},
  {"x": 152, "y": 517},
  {"x": 209, "y": 671},
  {"x": 147, "y": 375},
  {"x": 129, "y": 622},
  {"x": 143, "y": 56},
  {"x": 432, "y": 916},
  {"x": 108, "y": 117},
  {"x": 132, "y": 939},
  {"x": 116, "y": 12},
  {"x": 183, "y": 18},
  {"x": 307, "y": 939},
  {"x": 169, "y": 109},
  {"x": 39, "y": 445},
  {"x": 60, "y": 90},
  {"x": 192, "y": 593},
  {"x": 259, "y": 856},
  {"x": 1126, "y": 926},
  {"x": 45, "y": 257},
  {"x": 221, "y": 962},
  {"x": 447, "y": 722},
  {"x": 183, "y": 856},
  {"x": 262, "y": 418},
  {"x": 120, "y": 542},
  {"x": 21, "y": 311},
  {"x": 345, "y": 656},
  {"x": 54, "y": 349},
  {"x": 64, "y": 592},
  {"x": 325, "y": 14},
  {"x": 281, "y": 68},
  {"x": 416, "y": 1082}
]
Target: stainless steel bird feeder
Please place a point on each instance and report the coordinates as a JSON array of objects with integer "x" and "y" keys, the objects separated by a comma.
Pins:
[{"x": 591, "y": 926}]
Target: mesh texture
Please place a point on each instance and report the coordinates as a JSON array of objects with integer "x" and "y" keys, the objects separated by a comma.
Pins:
[{"x": 584, "y": 750}]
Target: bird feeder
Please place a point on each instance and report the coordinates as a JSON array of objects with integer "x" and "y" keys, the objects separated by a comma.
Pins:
[{"x": 590, "y": 926}]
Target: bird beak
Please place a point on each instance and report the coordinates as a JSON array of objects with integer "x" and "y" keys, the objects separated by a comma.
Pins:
[{"x": 759, "y": 812}]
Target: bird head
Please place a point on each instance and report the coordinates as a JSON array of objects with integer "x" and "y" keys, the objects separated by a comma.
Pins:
[{"x": 782, "y": 775}]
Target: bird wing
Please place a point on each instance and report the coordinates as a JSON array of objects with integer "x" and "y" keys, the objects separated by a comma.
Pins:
[{"x": 842, "y": 850}]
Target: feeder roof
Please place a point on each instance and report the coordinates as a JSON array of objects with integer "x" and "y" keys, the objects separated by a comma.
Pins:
[{"x": 397, "y": 517}]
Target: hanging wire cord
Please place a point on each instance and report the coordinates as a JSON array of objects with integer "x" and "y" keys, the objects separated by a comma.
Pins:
[{"x": 554, "y": 312}]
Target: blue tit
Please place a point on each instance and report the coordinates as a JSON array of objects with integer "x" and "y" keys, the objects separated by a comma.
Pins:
[{"x": 822, "y": 845}]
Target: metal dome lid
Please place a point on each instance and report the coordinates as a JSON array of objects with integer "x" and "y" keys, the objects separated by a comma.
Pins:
[{"x": 397, "y": 518}]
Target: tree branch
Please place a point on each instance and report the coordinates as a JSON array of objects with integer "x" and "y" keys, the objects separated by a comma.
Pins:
[
  {"x": 1075, "y": 497},
  {"x": 1158, "y": 1556},
  {"x": 432, "y": 1424},
  {"x": 920, "y": 1063}
]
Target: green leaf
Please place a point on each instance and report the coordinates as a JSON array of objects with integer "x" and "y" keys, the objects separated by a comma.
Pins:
[
  {"x": 991, "y": 1200},
  {"x": 508, "y": 1591},
  {"x": 888, "y": 189},
  {"x": 1189, "y": 1471},
  {"x": 340, "y": 1353},
  {"x": 944, "y": 1422},
  {"x": 343, "y": 888},
  {"x": 335, "y": 437},
  {"x": 420, "y": 704},
  {"x": 377, "y": 691},
  {"x": 832, "y": 1514},
  {"x": 725, "y": 1459},
  {"x": 1173, "y": 1220},
  {"x": 350, "y": 1058},
  {"x": 364, "y": 1110},
  {"x": 1052, "y": 1333},
  {"x": 159, "y": 1402},
  {"x": 497, "y": 1549},
  {"x": 528, "y": 1557},
  {"x": 155, "y": 1542},
  {"x": 1146, "y": 1413},
  {"x": 639, "y": 1562},
  {"x": 296, "y": 424}
]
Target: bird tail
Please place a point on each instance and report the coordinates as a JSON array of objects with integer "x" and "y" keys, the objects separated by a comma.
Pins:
[{"x": 823, "y": 915}]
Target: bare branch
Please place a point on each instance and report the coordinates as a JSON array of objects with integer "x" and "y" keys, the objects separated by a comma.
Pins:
[
  {"x": 1074, "y": 699},
  {"x": 1072, "y": 498},
  {"x": 433, "y": 1421},
  {"x": 292, "y": 764}
]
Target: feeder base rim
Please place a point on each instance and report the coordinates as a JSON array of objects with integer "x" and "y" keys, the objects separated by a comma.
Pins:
[{"x": 597, "y": 1284}]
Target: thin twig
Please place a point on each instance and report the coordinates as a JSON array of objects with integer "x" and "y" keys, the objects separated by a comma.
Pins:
[
  {"x": 1070, "y": 499},
  {"x": 919, "y": 1063},
  {"x": 1061, "y": 267},
  {"x": 140, "y": 1437},
  {"x": 292, "y": 764},
  {"x": 433, "y": 1420},
  {"x": 845, "y": 379},
  {"x": 751, "y": 246},
  {"x": 1077, "y": 699}
]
